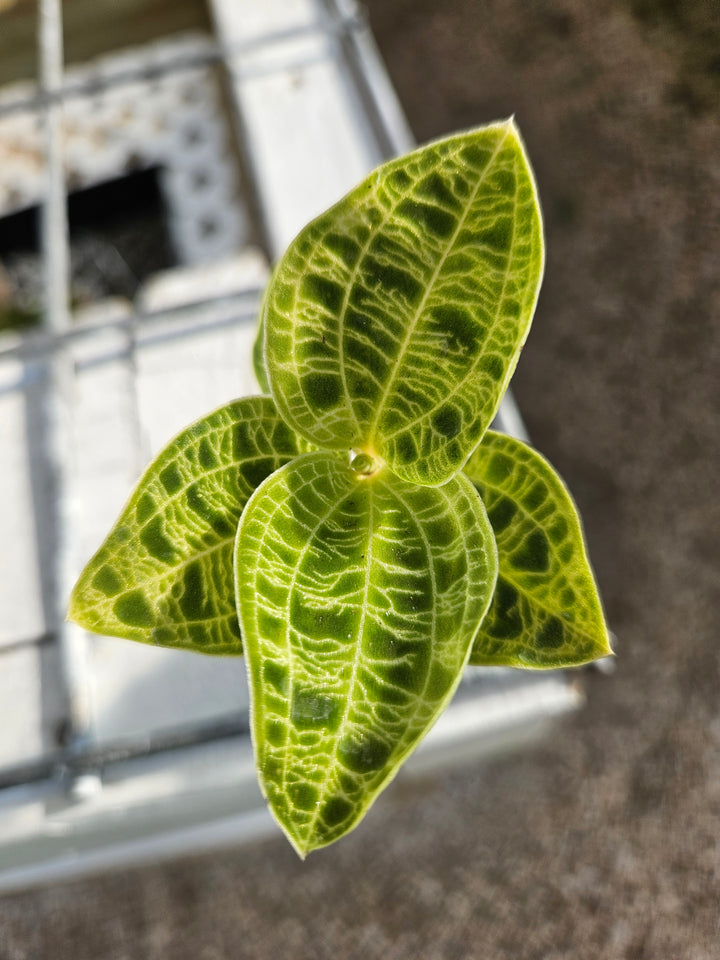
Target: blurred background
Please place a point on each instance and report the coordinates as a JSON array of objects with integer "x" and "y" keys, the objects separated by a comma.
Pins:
[{"x": 193, "y": 140}]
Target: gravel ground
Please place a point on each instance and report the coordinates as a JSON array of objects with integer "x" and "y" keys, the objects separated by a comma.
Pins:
[{"x": 603, "y": 842}]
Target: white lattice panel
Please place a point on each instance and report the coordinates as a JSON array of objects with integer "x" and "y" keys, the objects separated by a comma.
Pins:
[{"x": 174, "y": 121}]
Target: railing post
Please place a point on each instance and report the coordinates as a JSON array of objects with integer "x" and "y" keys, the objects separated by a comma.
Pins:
[{"x": 58, "y": 439}]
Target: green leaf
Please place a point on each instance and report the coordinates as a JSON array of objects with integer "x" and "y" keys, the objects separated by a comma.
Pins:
[
  {"x": 546, "y": 610},
  {"x": 395, "y": 320},
  {"x": 258, "y": 355},
  {"x": 164, "y": 574},
  {"x": 359, "y": 595}
]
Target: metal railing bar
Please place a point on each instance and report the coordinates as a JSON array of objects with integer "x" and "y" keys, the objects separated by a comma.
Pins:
[
  {"x": 58, "y": 446},
  {"x": 67, "y": 762},
  {"x": 170, "y": 336},
  {"x": 41, "y": 342},
  {"x": 376, "y": 91},
  {"x": 347, "y": 44},
  {"x": 23, "y": 643},
  {"x": 217, "y": 53},
  {"x": 54, "y": 232},
  {"x": 94, "y": 758}
]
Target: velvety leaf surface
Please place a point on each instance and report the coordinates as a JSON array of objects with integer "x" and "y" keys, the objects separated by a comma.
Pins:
[
  {"x": 546, "y": 611},
  {"x": 164, "y": 575},
  {"x": 394, "y": 321},
  {"x": 359, "y": 598}
]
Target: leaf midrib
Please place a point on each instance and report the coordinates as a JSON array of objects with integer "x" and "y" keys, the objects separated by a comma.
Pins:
[
  {"x": 172, "y": 498},
  {"x": 349, "y": 700},
  {"x": 410, "y": 329},
  {"x": 499, "y": 389},
  {"x": 159, "y": 576}
]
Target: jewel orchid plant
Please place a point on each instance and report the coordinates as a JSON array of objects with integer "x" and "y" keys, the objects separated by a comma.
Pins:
[{"x": 359, "y": 533}]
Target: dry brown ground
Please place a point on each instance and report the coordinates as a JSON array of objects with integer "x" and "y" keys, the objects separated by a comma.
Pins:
[{"x": 603, "y": 843}]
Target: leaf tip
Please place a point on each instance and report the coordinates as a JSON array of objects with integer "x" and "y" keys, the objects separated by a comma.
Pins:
[
  {"x": 605, "y": 648},
  {"x": 510, "y": 128},
  {"x": 302, "y": 852},
  {"x": 301, "y": 845}
]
